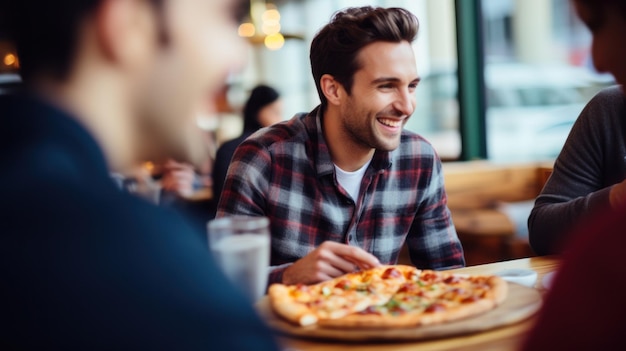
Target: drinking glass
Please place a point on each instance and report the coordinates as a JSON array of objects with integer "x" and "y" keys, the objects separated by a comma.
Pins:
[{"x": 241, "y": 247}]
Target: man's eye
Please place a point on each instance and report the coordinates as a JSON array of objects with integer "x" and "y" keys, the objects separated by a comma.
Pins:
[
  {"x": 413, "y": 86},
  {"x": 385, "y": 86}
]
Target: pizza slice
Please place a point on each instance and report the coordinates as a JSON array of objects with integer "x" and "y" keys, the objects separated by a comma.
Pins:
[
  {"x": 428, "y": 298},
  {"x": 339, "y": 297}
]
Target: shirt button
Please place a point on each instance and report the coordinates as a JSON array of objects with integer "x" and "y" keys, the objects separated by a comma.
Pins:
[{"x": 350, "y": 237}]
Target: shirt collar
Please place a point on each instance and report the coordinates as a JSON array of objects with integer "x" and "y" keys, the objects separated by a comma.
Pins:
[{"x": 323, "y": 162}]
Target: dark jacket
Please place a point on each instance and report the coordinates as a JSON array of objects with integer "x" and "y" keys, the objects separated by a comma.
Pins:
[
  {"x": 86, "y": 266},
  {"x": 222, "y": 161}
]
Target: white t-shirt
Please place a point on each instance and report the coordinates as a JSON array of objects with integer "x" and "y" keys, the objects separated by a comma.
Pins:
[{"x": 351, "y": 181}]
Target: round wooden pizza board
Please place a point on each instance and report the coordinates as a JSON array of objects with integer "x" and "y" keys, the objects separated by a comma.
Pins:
[{"x": 520, "y": 303}]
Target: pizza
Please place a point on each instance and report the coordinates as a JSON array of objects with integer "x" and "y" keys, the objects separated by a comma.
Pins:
[
  {"x": 388, "y": 297},
  {"x": 339, "y": 297}
]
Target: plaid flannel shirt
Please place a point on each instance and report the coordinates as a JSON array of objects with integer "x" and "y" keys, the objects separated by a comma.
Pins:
[{"x": 285, "y": 173}]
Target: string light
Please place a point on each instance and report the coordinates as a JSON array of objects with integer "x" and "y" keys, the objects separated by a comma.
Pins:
[
  {"x": 274, "y": 41},
  {"x": 10, "y": 60},
  {"x": 270, "y": 28},
  {"x": 246, "y": 30},
  {"x": 271, "y": 15},
  {"x": 264, "y": 26}
]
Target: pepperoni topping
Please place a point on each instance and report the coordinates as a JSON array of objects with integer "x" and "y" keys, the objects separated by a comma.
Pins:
[
  {"x": 436, "y": 307},
  {"x": 408, "y": 288},
  {"x": 391, "y": 273},
  {"x": 343, "y": 284},
  {"x": 452, "y": 280},
  {"x": 470, "y": 299},
  {"x": 396, "y": 310},
  {"x": 457, "y": 291},
  {"x": 430, "y": 277}
]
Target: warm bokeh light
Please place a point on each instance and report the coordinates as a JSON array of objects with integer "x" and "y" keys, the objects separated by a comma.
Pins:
[
  {"x": 10, "y": 60},
  {"x": 271, "y": 15},
  {"x": 270, "y": 28},
  {"x": 148, "y": 166},
  {"x": 246, "y": 30},
  {"x": 274, "y": 41}
]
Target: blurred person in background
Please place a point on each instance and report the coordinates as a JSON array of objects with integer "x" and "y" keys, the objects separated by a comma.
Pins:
[
  {"x": 263, "y": 108},
  {"x": 588, "y": 175},
  {"x": 111, "y": 83},
  {"x": 345, "y": 186},
  {"x": 179, "y": 178},
  {"x": 585, "y": 308}
]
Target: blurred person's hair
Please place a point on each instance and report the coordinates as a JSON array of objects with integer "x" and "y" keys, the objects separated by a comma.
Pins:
[
  {"x": 336, "y": 46},
  {"x": 598, "y": 7},
  {"x": 261, "y": 96},
  {"x": 46, "y": 33}
]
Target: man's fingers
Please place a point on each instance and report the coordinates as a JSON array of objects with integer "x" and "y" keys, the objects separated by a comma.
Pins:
[
  {"x": 328, "y": 271},
  {"x": 339, "y": 262},
  {"x": 353, "y": 254},
  {"x": 363, "y": 266}
]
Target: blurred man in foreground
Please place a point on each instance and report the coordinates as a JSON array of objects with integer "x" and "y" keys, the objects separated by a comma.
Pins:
[
  {"x": 111, "y": 83},
  {"x": 586, "y": 309},
  {"x": 345, "y": 186}
]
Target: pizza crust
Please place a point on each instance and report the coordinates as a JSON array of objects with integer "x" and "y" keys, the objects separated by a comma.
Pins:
[
  {"x": 286, "y": 306},
  {"x": 294, "y": 303}
]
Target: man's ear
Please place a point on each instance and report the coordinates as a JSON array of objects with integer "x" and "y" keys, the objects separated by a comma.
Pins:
[
  {"x": 126, "y": 30},
  {"x": 332, "y": 89}
]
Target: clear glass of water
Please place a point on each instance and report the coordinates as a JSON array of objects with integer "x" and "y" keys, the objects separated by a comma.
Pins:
[{"x": 241, "y": 247}]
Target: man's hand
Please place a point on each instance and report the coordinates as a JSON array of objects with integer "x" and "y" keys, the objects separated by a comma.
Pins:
[
  {"x": 617, "y": 195},
  {"x": 329, "y": 260},
  {"x": 178, "y": 178}
]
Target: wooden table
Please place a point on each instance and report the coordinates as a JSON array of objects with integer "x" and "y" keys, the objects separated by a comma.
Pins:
[{"x": 501, "y": 339}]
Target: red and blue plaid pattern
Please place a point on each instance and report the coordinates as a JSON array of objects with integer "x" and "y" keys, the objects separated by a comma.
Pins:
[{"x": 285, "y": 173}]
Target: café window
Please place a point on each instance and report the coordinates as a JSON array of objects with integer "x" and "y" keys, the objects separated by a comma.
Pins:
[{"x": 538, "y": 76}]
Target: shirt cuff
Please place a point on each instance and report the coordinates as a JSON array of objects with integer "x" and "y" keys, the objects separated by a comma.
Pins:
[{"x": 276, "y": 274}]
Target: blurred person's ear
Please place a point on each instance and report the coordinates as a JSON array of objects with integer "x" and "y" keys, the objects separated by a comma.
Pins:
[
  {"x": 332, "y": 89},
  {"x": 126, "y": 31}
]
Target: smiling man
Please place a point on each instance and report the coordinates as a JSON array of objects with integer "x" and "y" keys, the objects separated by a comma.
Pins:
[
  {"x": 344, "y": 185},
  {"x": 85, "y": 266}
]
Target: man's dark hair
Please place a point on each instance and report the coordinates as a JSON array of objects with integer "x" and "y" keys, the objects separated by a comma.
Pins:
[
  {"x": 335, "y": 48},
  {"x": 46, "y": 33}
]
